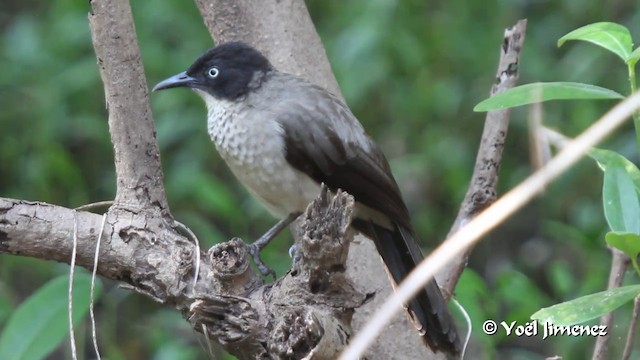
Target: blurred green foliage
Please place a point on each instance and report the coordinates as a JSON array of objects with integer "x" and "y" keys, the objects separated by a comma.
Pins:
[
  {"x": 40, "y": 323},
  {"x": 410, "y": 70}
]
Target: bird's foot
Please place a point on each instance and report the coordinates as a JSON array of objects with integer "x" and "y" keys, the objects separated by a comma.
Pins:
[
  {"x": 254, "y": 251},
  {"x": 255, "y": 248}
]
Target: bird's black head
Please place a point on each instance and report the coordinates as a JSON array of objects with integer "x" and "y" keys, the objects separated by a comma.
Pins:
[{"x": 227, "y": 71}]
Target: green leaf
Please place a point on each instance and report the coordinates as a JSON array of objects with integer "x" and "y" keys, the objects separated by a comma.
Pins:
[
  {"x": 611, "y": 36},
  {"x": 608, "y": 158},
  {"x": 634, "y": 57},
  {"x": 39, "y": 325},
  {"x": 587, "y": 307},
  {"x": 620, "y": 198},
  {"x": 628, "y": 243},
  {"x": 538, "y": 92}
]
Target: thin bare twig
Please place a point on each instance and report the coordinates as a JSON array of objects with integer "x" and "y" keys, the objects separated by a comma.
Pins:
[
  {"x": 87, "y": 207},
  {"x": 619, "y": 264},
  {"x": 633, "y": 324},
  {"x": 484, "y": 181},
  {"x": 72, "y": 267},
  {"x": 94, "y": 336}
]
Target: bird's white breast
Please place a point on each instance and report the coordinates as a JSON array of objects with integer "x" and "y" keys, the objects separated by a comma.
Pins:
[{"x": 251, "y": 143}]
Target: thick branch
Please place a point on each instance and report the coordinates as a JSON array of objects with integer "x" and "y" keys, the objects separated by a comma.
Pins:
[
  {"x": 140, "y": 251},
  {"x": 137, "y": 159},
  {"x": 484, "y": 181},
  {"x": 139, "y": 219},
  {"x": 307, "y": 312}
]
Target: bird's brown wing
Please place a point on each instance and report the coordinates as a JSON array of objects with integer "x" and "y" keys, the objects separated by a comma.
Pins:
[{"x": 324, "y": 140}]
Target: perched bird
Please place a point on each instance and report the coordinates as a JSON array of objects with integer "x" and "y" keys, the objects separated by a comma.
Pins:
[{"x": 282, "y": 137}]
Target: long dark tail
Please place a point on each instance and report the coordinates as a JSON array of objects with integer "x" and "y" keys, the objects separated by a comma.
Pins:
[{"x": 400, "y": 253}]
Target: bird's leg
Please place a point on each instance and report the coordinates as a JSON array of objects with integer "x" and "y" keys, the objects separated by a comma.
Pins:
[{"x": 264, "y": 240}]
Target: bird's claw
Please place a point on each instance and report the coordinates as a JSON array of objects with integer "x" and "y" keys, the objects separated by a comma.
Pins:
[
  {"x": 254, "y": 251},
  {"x": 293, "y": 251},
  {"x": 294, "y": 254}
]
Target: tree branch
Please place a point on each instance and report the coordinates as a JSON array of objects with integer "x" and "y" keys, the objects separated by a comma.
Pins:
[
  {"x": 633, "y": 324},
  {"x": 483, "y": 187},
  {"x": 619, "y": 263},
  {"x": 140, "y": 216},
  {"x": 137, "y": 158},
  {"x": 135, "y": 250},
  {"x": 305, "y": 313}
]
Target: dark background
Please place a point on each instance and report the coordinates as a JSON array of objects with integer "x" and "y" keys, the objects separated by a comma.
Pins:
[{"x": 410, "y": 70}]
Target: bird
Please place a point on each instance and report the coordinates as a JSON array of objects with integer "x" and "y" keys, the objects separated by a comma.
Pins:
[{"x": 282, "y": 137}]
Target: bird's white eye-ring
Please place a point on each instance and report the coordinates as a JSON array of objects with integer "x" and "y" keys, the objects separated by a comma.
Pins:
[{"x": 213, "y": 72}]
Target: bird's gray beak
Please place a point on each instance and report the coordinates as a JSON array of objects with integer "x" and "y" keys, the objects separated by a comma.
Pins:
[{"x": 177, "y": 80}]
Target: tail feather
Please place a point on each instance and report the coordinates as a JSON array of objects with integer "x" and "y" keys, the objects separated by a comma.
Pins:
[{"x": 400, "y": 253}]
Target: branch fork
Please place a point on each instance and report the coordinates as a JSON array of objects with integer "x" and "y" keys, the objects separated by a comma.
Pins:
[{"x": 305, "y": 314}]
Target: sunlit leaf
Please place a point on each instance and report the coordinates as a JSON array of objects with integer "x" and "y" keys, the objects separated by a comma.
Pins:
[
  {"x": 539, "y": 92},
  {"x": 587, "y": 307},
  {"x": 628, "y": 243},
  {"x": 39, "y": 325},
  {"x": 611, "y": 36}
]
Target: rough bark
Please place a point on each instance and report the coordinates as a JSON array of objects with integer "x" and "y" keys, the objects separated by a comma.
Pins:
[
  {"x": 126, "y": 92},
  {"x": 305, "y": 314},
  {"x": 136, "y": 249}
]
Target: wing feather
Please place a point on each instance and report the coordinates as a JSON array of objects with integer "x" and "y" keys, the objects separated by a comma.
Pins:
[{"x": 325, "y": 141}]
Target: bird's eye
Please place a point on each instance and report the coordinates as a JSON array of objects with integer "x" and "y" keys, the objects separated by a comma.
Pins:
[{"x": 213, "y": 72}]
